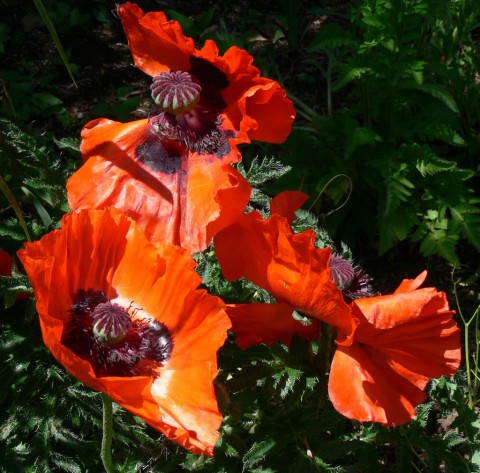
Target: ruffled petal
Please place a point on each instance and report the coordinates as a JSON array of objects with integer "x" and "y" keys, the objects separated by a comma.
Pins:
[
  {"x": 287, "y": 203},
  {"x": 188, "y": 408},
  {"x": 106, "y": 251},
  {"x": 400, "y": 341},
  {"x": 174, "y": 195},
  {"x": 390, "y": 310},
  {"x": 300, "y": 275},
  {"x": 408, "y": 285},
  {"x": 420, "y": 333},
  {"x": 365, "y": 386},
  {"x": 286, "y": 264},
  {"x": 268, "y": 113},
  {"x": 253, "y": 324},
  {"x": 157, "y": 45}
]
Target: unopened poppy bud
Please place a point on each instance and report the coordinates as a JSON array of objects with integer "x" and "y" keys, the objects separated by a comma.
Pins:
[{"x": 175, "y": 92}]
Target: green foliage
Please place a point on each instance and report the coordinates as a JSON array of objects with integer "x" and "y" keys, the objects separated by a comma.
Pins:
[
  {"x": 53, "y": 33},
  {"x": 126, "y": 101},
  {"x": 50, "y": 422},
  {"x": 35, "y": 177},
  {"x": 260, "y": 173},
  {"x": 399, "y": 117},
  {"x": 405, "y": 125}
]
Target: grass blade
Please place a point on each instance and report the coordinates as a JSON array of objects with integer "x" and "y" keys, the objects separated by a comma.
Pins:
[{"x": 46, "y": 19}]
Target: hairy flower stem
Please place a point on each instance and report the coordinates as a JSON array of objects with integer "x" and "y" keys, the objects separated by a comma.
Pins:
[
  {"x": 106, "y": 451},
  {"x": 472, "y": 385},
  {"x": 324, "y": 359}
]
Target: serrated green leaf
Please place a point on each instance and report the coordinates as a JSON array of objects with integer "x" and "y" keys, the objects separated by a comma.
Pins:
[
  {"x": 360, "y": 136},
  {"x": 430, "y": 164},
  {"x": 332, "y": 36},
  {"x": 467, "y": 218},
  {"x": 259, "y": 451},
  {"x": 260, "y": 172},
  {"x": 68, "y": 144},
  {"x": 439, "y": 242},
  {"x": 440, "y": 93},
  {"x": 349, "y": 74}
]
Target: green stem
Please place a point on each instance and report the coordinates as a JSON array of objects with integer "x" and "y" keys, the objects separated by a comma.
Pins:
[
  {"x": 477, "y": 353},
  {"x": 324, "y": 360},
  {"x": 53, "y": 33},
  {"x": 16, "y": 208},
  {"x": 466, "y": 324},
  {"x": 467, "y": 366},
  {"x": 415, "y": 453},
  {"x": 308, "y": 112},
  {"x": 106, "y": 451}
]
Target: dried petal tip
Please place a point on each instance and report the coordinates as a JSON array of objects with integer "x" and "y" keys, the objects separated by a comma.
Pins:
[
  {"x": 110, "y": 323},
  {"x": 175, "y": 92}
]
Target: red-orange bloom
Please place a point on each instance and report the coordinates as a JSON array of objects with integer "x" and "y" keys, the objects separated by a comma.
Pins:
[
  {"x": 287, "y": 265},
  {"x": 172, "y": 172},
  {"x": 251, "y": 106},
  {"x": 401, "y": 341},
  {"x": 173, "y": 194},
  {"x": 124, "y": 316}
]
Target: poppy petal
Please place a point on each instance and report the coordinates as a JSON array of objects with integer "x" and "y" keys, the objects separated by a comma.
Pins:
[
  {"x": 106, "y": 251},
  {"x": 253, "y": 324},
  {"x": 400, "y": 341},
  {"x": 287, "y": 203},
  {"x": 255, "y": 107},
  {"x": 187, "y": 405},
  {"x": 286, "y": 264},
  {"x": 408, "y": 285},
  {"x": 270, "y": 113},
  {"x": 390, "y": 310},
  {"x": 174, "y": 195},
  {"x": 157, "y": 45},
  {"x": 365, "y": 386},
  {"x": 424, "y": 339}
]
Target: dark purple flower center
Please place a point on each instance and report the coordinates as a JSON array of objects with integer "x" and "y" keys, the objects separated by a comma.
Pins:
[
  {"x": 190, "y": 105},
  {"x": 111, "y": 340}
]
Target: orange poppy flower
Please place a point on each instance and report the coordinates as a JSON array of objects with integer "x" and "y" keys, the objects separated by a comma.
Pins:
[
  {"x": 287, "y": 265},
  {"x": 172, "y": 172},
  {"x": 226, "y": 91},
  {"x": 401, "y": 340},
  {"x": 174, "y": 195},
  {"x": 124, "y": 316}
]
